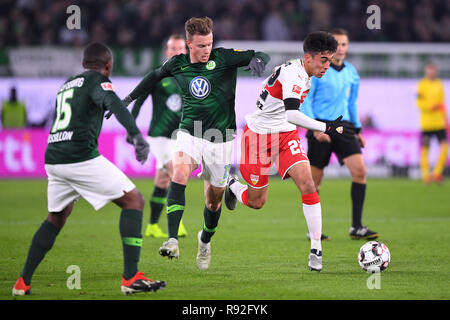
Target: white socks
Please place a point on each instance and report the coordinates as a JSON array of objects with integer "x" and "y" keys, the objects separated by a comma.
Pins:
[
  {"x": 238, "y": 189},
  {"x": 313, "y": 216}
]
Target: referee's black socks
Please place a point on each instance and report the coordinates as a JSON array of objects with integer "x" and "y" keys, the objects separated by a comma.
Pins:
[{"x": 358, "y": 194}]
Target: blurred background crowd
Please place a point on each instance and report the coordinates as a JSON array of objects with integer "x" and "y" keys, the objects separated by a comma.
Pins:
[{"x": 146, "y": 22}]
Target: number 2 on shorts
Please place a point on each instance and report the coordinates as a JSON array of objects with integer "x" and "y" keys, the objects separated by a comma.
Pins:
[{"x": 295, "y": 146}]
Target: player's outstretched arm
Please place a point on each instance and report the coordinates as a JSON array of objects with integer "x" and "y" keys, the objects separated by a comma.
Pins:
[
  {"x": 251, "y": 60},
  {"x": 294, "y": 116},
  {"x": 145, "y": 87},
  {"x": 302, "y": 120},
  {"x": 337, "y": 128},
  {"x": 126, "y": 101},
  {"x": 137, "y": 105},
  {"x": 113, "y": 103}
]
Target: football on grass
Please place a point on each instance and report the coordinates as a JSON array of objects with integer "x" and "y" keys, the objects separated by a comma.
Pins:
[{"x": 374, "y": 257}]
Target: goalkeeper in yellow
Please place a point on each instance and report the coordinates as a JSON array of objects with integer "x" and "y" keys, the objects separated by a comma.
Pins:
[{"x": 430, "y": 101}]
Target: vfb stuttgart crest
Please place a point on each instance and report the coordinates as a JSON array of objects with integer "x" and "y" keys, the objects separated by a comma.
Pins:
[
  {"x": 200, "y": 87},
  {"x": 254, "y": 178}
]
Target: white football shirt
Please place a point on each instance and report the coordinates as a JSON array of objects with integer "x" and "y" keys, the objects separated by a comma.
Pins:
[{"x": 288, "y": 80}]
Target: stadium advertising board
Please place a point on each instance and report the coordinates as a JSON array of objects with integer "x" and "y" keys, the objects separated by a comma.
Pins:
[{"x": 22, "y": 152}]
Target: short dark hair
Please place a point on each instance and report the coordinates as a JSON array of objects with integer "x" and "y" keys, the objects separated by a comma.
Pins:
[
  {"x": 319, "y": 41},
  {"x": 340, "y": 32},
  {"x": 202, "y": 26},
  {"x": 96, "y": 55}
]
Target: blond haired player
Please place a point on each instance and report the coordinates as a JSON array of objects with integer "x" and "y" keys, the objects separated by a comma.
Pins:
[{"x": 207, "y": 78}]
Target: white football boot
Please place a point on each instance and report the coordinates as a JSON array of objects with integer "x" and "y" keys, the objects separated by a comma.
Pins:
[
  {"x": 315, "y": 260},
  {"x": 203, "y": 253},
  {"x": 170, "y": 249}
]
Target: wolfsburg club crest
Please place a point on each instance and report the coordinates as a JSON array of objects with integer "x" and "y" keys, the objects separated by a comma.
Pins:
[{"x": 211, "y": 65}]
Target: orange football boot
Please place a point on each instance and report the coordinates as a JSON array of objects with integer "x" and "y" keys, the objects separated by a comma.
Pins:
[{"x": 20, "y": 288}]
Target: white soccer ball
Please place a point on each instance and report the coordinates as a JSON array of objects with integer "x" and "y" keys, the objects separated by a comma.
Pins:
[{"x": 374, "y": 257}]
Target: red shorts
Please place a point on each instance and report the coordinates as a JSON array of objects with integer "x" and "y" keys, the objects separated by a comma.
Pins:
[{"x": 258, "y": 151}]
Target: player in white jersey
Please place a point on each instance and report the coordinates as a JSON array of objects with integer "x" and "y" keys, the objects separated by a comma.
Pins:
[
  {"x": 271, "y": 135},
  {"x": 288, "y": 81}
]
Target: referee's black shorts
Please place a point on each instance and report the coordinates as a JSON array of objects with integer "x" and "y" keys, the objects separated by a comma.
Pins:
[
  {"x": 426, "y": 136},
  {"x": 319, "y": 153}
]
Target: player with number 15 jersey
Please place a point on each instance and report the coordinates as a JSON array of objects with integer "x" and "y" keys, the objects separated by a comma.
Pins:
[
  {"x": 76, "y": 169},
  {"x": 81, "y": 103}
]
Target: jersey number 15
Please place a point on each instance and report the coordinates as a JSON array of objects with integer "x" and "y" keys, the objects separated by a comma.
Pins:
[{"x": 63, "y": 111}]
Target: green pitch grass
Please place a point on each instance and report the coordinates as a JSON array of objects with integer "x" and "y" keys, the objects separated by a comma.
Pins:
[{"x": 256, "y": 255}]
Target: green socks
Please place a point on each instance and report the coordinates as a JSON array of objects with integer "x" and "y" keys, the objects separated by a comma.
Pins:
[
  {"x": 42, "y": 242},
  {"x": 130, "y": 230},
  {"x": 210, "y": 224},
  {"x": 175, "y": 207},
  {"x": 157, "y": 203},
  {"x": 130, "y": 226}
]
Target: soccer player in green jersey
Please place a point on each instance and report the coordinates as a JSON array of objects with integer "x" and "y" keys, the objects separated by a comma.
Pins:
[
  {"x": 76, "y": 169},
  {"x": 166, "y": 99},
  {"x": 207, "y": 78}
]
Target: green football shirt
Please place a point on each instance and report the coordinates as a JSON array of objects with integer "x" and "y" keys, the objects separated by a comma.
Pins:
[
  {"x": 166, "y": 115},
  {"x": 208, "y": 91},
  {"x": 80, "y": 105}
]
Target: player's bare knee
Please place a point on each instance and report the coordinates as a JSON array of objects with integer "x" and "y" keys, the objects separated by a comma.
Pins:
[
  {"x": 257, "y": 203},
  {"x": 56, "y": 219},
  {"x": 308, "y": 186},
  {"x": 132, "y": 200},
  {"x": 163, "y": 183},
  {"x": 359, "y": 175},
  {"x": 180, "y": 177},
  {"x": 213, "y": 206},
  {"x": 139, "y": 201}
]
